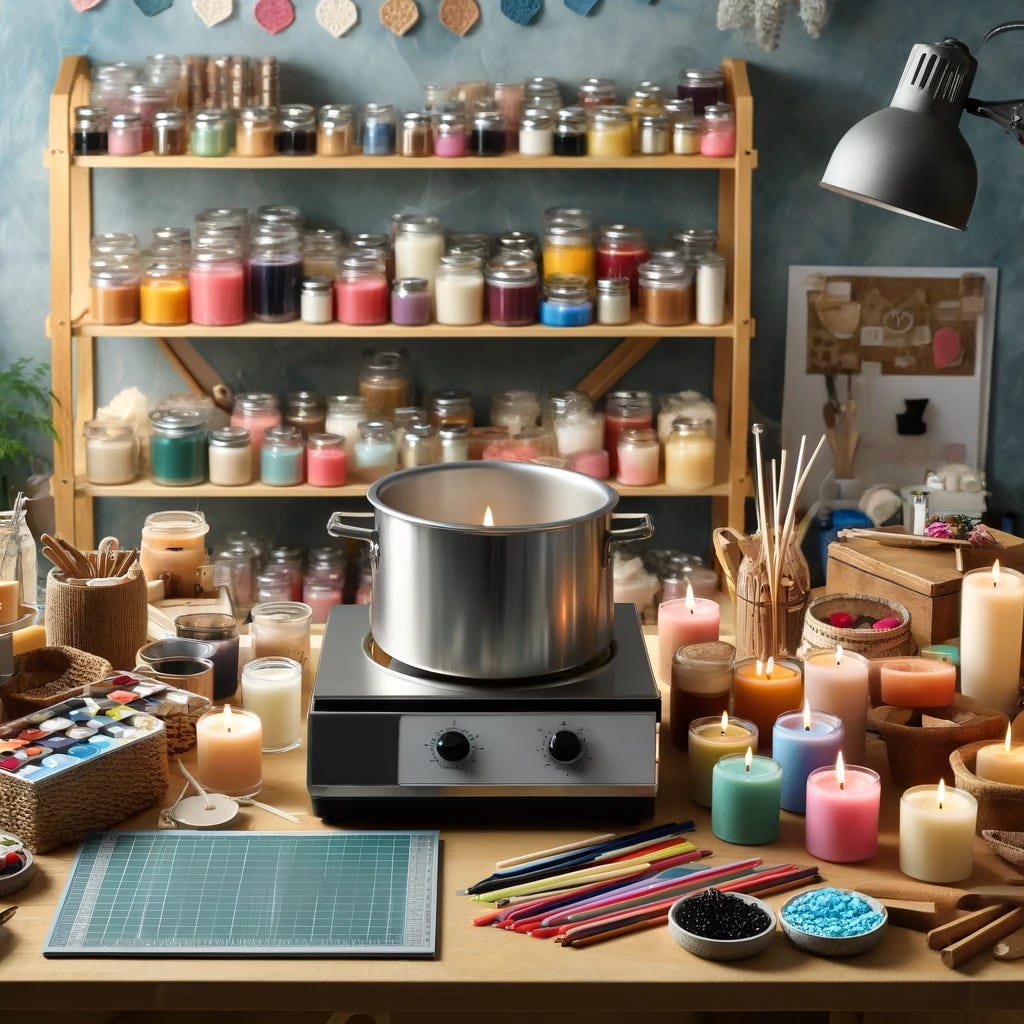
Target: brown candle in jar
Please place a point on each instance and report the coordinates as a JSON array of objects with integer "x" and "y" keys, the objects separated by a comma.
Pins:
[
  {"x": 666, "y": 307},
  {"x": 701, "y": 683},
  {"x": 255, "y": 140},
  {"x": 383, "y": 397},
  {"x": 116, "y": 305}
]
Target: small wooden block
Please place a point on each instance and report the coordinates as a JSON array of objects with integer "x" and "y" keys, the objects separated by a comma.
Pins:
[{"x": 918, "y": 915}]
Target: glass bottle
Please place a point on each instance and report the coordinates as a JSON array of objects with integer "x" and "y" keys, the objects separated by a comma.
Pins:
[
  {"x": 410, "y": 301},
  {"x": 229, "y": 457},
  {"x": 361, "y": 291},
  {"x": 515, "y": 410},
  {"x": 209, "y": 134},
  {"x": 621, "y": 249},
  {"x": 335, "y": 130},
  {"x": 666, "y": 294},
  {"x": 306, "y": 411},
  {"x": 416, "y": 137},
  {"x": 449, "y": 406},
  {"x": 125, "y": 135},
  {"x": 384, "y": 384},
  {"x": 637, "y": 456},
  {"x": 702, "y": 85},
  {"x": 375, "y": 452},
  {"x": 655, "y": 135},
  {"x": 177, "y": 447},
  {"x": 625, "y": 410},
  {"x": 281, "y": 457},
  {"x": 216, "y": 280},
  {"x": 316, "y": 301},
  {"x": 513, "y": 291},
  {"x": 344, "y": 414},
  {"x": 459, "y": 291},
  {"x": 536, "y": 132},
  {"x": 711, "y": 289},
  {"x": 719, "y": 138},
  {"x": 174, "y": 547},
  {"x": 420, "y": 446},
  {"x": 487, "y": 137},
  {"x": 163, "y": 290},
  {"x": 610, "y": 133},
  {"x": 613, "y": 305},
  {"x": 275, "y": 274},
  {"x": 90, "y": 134},
  {"x": 326, "y": 461},
  {"x": 111, "y": 452},
  {"x": 690, "y": 454},
  {"x": 170, "y": 137},
  {"x": 378, "y": 130},
  {"x": 113, "y": 291},
  {"x": 296, "y": 130},
  {"x": 568, "y": 249},
  {"x": 449, "y": 134},
  {"x": 566, "y": 301},
  {"x": 256, "y": 130}
]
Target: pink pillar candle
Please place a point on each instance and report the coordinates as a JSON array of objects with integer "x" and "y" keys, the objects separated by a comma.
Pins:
[
  {"x": 837, "y": 681},
  {"x": 917, "y": 682},
  {"x": 686, "y": 620},
  {"x": 229, "y": 751},
  {"x": 842, "y": 813}
]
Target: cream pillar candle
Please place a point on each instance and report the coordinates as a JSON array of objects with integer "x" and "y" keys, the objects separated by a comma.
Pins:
[
  {"x": 1002, "y": 762},
  {"x": 272, "y": 689},
  {"x": 837, "y": 681},
  {"x": 937, "y": 833}
]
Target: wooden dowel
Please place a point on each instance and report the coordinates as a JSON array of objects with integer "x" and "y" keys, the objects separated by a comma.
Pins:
[
  {"x": 984, "y": 938},
  {"x": 939, "y": 938}
]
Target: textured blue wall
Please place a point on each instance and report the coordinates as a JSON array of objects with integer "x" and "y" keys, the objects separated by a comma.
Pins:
[{"x": 806, "y": 93}]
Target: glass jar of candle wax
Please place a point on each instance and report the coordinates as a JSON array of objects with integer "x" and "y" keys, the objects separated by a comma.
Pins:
[
  {"x": 177, "y": 447},
  {"x": 220, "y": 630},
  {"x": 378, "y": 130},
  {"x": 580, "y": 429},
  {"x": 678, "y": 111},
  {"x": 719, "y": 138},
  {"x": 230, "y": 456},
  {"x": 536, "y": 132},
  {"x": 326, "y": 461},
  {"x": 637, "y": 455},
  {"x": 290, "y": 559},
  {"x": 416, "y": 137},
  {"x": 439, "y": 96},
  {"x": 613, "y": 300},
  {"x": 316, "y": 301},
  {"x": 173, "y": 545},
  {"x": 702, "y": 85},
  {"x": 513, "y": 292},
  {"x": 621, "y": 249},
  {"x": 321, "y": 248},
  {"x": 625, "y": 410},
  {"x": 376, "y": 453},
  {"x": 596, "y": 92},
  {"x": 170, "y": 137},
  {"x": 305, "y": 411},
  {"x": 566, "y": 301},
  {"x": 666, "y": 295},
  {"x": 542, "y": 92},
  {"x": 166, "y": 238},
  {"x": 562, "y": 403},
  {"x": 610, "y": 133},
  {"x": 410, "y": 301},
  {"x": 113, "y": 291},
  {"x": 275, "y": 273},
  {"x": 515, "y": 410},
  {"x": 163, "y": 291},
  {"x": 216, "y": 282},
  {"x": 321, "y": 596},
  {"x": 377, "y": 245},
  {"x": 281, "y": 457},
  {"x": 405, "y": 416},
  {"x": 472, "y": 242},
  {"x": 361, "y": 291},
  {"x": 655, "y": 134},
  {"x": 281, "y": 629},
  {"x": 690, "y": 455},
  {"x": 296, "y": 130},
  {"x": 258, "y": 412},
  {"x": 384, "y": 383},
  {"x": 454, "y": 440},
  {"x": 118, "y": 245},
  {"x": 90, "y": 134},
  {"x": 508, "y": 100},
  {"x": 110, "y": 85},
  {"x": 570, "y": 135},
  {"x": 209, "y": 134},
  {"x": 692, "y": 243},
  {"x": 419, "y": 246},
  {"x": 335, "y": 130},
  {"x": 125, "y": 135},
  {"x": 449, "y": 406},
  {"x": 111, "y": 452},
  {"x": 280, "y": 215},
  {"x": 529, "y": 444},
  {"x": 449, "y": 134},
  {"x": 344, "y": 414},
  {"x": 711, "y": 289},
  {"x": 459, "y": 290},
  {"x": 487, "y": 136},
  {"x": 568, "y": 249},
  {"x": 274, "y": 584},
  {"x": 255, "y": 131},
  {"x": 520, "y": 243},
  {"x": 686, "y": 137},
  {"x": 420, "y": 446}
]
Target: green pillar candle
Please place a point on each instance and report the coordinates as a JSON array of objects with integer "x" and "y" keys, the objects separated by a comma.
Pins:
[{"x": 746, "y": 791}]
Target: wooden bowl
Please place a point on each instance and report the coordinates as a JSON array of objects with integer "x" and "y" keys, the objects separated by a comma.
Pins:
[{"x": 1000, "y": 806}]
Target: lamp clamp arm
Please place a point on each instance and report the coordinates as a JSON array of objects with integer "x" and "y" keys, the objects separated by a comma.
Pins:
[{"x": 1008, "y": 114}]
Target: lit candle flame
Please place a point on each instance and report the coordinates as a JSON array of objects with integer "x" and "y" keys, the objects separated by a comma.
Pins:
[
  {"x": 995, "y": 573},
  {"x": 941, "y": 792},
  {"x": 839, "y": 653},
  {"x": 759, "y": 667},
  {"x": 488, "y": 516},
  {"x": 725, "y": 721},
  {"x": 807, "y": 716},
  {"x": 1009, "y": 737},
  {"x": 749, "y": 758},
  {"x": 691, "y": 603},
  {"x": 227, "y": 718},
  {"x": 840, "y": 770},
  {"x": 769, "y": 668}
]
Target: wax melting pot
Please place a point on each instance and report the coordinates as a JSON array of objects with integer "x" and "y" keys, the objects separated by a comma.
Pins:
[{"x": 492, "y": 662}]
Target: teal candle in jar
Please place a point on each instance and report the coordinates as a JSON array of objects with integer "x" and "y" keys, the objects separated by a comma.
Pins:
[
  {"x": 281, "y": 457},
  {"x": 177, "y": 447},
  {"x": 746, "y": 793}
]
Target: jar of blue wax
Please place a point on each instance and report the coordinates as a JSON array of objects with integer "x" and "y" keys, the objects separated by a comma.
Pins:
[
  {"x": 296, "y": 130},
  {"x": 375, "y": 453},
  {"x": 275, "y": 273},
  {"x": 281, "y": 457},
  {"x": 566, "y": 301},
  {"x": 177, "y": 447},
  {"x": 378, "y": 130}
]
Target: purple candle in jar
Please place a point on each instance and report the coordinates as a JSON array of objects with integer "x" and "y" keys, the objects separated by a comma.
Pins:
[
  {"x": 512, "y": 291},
  {"x": 410, "y": 301}
]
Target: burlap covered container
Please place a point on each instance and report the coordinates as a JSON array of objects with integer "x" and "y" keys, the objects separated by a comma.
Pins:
[
  {"x": 48, "y": 675},
  {"x": 109, "y": 622}
]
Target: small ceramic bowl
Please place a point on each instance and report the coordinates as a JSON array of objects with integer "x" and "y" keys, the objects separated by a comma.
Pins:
[
  {"x": 826, "y": 945},
  {"x": 13, "y": 882},
  {"x": 722, "y": 949}
]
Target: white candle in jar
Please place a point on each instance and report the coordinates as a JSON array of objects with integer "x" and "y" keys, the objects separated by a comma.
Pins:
[
  {"x": 459, "y": 298},
  {"x": 837, "y": 681},
  {"x": 937, "y": 833},
  {"x": 272, "y": 689},
  {"x": 111, "y": 452},
  {"x": 418, "y": 254},
  {"x": 344, "y": 414},
  {"x": 230, "y": 457},
  {"x": 581, "y": 431}
]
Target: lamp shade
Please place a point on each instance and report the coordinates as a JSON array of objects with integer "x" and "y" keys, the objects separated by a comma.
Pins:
[{"x": 910, "y": 157}]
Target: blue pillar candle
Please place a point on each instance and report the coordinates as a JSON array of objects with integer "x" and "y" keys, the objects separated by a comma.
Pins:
[
  {"x": 746, "y": 790},
  {"x": 802, "y": 741}
]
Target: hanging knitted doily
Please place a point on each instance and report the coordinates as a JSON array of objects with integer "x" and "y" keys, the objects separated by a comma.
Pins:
[{"x": 764, "y": 18}]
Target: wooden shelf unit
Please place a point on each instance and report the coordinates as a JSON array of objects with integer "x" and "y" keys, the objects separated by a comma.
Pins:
[{"x": 72, "y": 333}]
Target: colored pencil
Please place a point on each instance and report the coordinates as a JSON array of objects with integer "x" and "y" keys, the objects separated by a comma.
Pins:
[
  {"x": 554, "y": 851},
  {"x": 572, "y": 878}
]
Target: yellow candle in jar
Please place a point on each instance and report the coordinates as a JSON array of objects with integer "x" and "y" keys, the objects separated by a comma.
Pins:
[
  {"x": 610, "y": 133},
  {"x": 570, "y": 259},
  {"x": 764, "y": 690},
  {"x": 164, "y": 301},
  {"x": 689, "y": 456}
]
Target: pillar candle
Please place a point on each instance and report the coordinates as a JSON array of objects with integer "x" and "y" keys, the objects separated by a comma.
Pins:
[
  {"x": 1002, "y": 762},
  {"x": 229, "y": 751},
  {"x": 802, "y": 742},
  {"x": 764, "y": 690},
  {"x": 842, "y": 813},
  {"x": 745, "y": 794},
  {"x": 272, "y": 689},
  {"x": 991, "y": 620},
  {"x": 709, "y": 740},
  {"x": 937, "y": 833},
  {"x": 837, "y": 681},
  {"x": 687, "y": 620},
  {"x": 917, "y": 682}
]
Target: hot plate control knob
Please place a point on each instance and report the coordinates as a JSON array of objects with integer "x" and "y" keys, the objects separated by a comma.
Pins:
[
  {"x": 453, "y": 746},
  {"x": 565, "y": 747}
]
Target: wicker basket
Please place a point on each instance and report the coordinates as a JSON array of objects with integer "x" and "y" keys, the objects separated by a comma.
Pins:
[
  {"x": 47, "y": 676},
  {"x": 1000, "y": 805},
  {"x": 872, "y": 643}
]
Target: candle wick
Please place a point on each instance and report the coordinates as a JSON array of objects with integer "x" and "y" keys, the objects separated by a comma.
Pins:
[
  {"x": 842, "y": 786},
  {"x": 807, "y": 728},
  {"x": 940, "y": 805},
  {"x": 747, "y": 768}
]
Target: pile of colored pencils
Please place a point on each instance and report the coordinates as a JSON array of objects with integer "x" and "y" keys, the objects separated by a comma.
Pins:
[{"x": 596, "y": 889}]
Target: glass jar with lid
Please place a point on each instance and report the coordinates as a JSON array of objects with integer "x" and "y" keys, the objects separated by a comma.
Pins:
[
  {"x": 177, "y": 447},
  {"x": 306, "y": 411},
  {"x": 361, "y": 290},
  {"x": 384, "y": 383},
  {"x": 702, "y": 85},
  {"x": 719, "y": 138},
  {"x": 223, "y": 223},
  {"x": 420, "y": 446},
  {"x": 471, "y": 242},
  {"x": 120, "y": 246},
  {"x": 410, "y": 301},
  {"x": 454, "y": 442},
  {"x": 686, "y": 137},
  {"x": 625, "y": 410},
  {"x": 335, "y": 133},
  {"x": 710, "y": 287},
  {"x": 170, "y": 135},
  {"x": 113, "y": 290},
  {"x": 279, "y": 215},
  {"x": 111, "y": 452},
  {"x": 508, "y": 99},
  {"x": 326, "y": 460},
  {"x": 174, "y": 547},
  {"x": 610, "y": 133},
  {"x": 666, "y": 294},
  {"x": 678, "y": 111},
  {"x": 321, "y": 248},
  {"x": 209, "y": 134},
  {"x": 378, "y": 245},
  {"x": 566, "y": 301},
  {"x": 459, "y": 290},
  {"x": 273, "y": 584},
  {"x": 487, "y": 136},
  {"x": 405, "y": 416},
  {"x": 295, "y": 134},
  {"x": 90, "y": 134},
  {"x": 596, "y": 92},
  {"x": 147, "y": 99},
  {"x": 559, "y": 403},
  {"x": 448, "y": 406},
  {"x": 536, "y": 132},
  {"x": 281, "y": 457},
  {"x": 169, "y": 238},
  {"x": 125, "y": 135},
  {"x": 438, "y": 96},
  {"x": 513, "y": 291},
  {"x": 692, "y": 243},
  {"x": 255, "y": 131},
  {"x": 621, "y": 249},
  {"x": 655, "y": 135},
  {"x": 515, "y": 410},
  {"x": 637, "y": 457},
  {"x": 378, "y": 130},
  {"x": 376, "y": 453},
  {"x": 542, "y": 92},
  {"x": 569, "y": 249},
  {"x": 275, "y": 273},
  {"x": 110, "y": 85},
  {"x": 416, "y": 136},
  {"x": 690, "y": 454},
  {"x": 570, "y": 134},
  {"x": 344, "y": 414},
  {"x": 449, "y": 134},
  {"x": 217, "y": 288},
  {"x": 419, "y": 246},
  {"x": 579, "y": 429},
  {"x": 163, "y": 290},
  {"x": 230, "y": 456},
  {"x": 518, "y": 243},
  {"x": 258, "y": 412},
  {"x": 613, "y": 300},
  {"x": 316, "y": 303}
]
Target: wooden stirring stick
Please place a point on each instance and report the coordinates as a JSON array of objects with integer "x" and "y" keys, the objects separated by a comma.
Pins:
[
  {"x": 939, "y": 938},
  {"x": 984, "y": 938}
]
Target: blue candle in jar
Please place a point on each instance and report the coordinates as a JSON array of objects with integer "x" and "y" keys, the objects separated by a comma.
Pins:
[
  {"x": 281, "y": 457},
  {"x": 378, "y": 131},
  {"x": 801, "y": 742}
]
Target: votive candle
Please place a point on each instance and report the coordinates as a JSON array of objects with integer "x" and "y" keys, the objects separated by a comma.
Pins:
[
  {"x": 229, "y": 751},
  {"x": 710, "y": 739},
  {"x": 745, "y": 794},
  {"x": 687, "y": 620},
  {"x": 761, "y": 691},
  {"x": 803, "y": 741},
  {"x": 1001, "y": 762},
  {"x": 917, "y": 682},
  {"x": 842, "y": 813},
  {"x": 937, "y": 833}
]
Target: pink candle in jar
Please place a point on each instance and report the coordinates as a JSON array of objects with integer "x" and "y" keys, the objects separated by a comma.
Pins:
[
  {"x": 842, "y": 813},
  {"x": 625, "y": 410},
  {"x": 361, "y": 302},
  {"x": 326, "y": 462},
  {"x": 217, "y": 295},
  {"x": 591, "y": 463},
  {"x": 639, "y": 457},
  {"x": 685, "y": 620},
  {"x": 917, "y": 682}
]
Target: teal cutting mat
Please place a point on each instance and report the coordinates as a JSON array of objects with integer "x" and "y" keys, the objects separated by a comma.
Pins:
[{"x": 249, "y": 894}]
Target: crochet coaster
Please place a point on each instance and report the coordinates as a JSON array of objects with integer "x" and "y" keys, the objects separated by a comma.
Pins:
[
  {"x": 459, "y": 16},
  {"x": 581, "y": 7},
  {"x": 274, "y": 15},
  {"x": 398, "y": 16},
  {"x": 522, "y": 12},
  {"x": 336, "y": 16},
  {"x": 150, "y": 8},
  {"x": 84, "y": 5},
  {"x": 213, "y": 12}
]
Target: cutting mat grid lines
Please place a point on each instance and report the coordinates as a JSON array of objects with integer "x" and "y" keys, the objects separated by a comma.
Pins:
[{"x": 249, "y": 894}]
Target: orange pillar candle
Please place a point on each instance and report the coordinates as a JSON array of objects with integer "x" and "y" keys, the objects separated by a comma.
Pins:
[
  {"x": 229, "y": 751},
  {"x": 764, "y": 690},
  {"x": 917, "y": 682}
]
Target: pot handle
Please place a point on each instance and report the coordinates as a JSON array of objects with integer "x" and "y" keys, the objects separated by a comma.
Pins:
[
  {"x": 643, "y": 530},
  {"x": 337, "y": 527}
]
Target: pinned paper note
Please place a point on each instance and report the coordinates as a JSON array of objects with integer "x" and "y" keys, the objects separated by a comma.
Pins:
[
  {"x": 274, "y": 15},
  {"x": 459, "y": 16},
  {"x": 522, "y": 12},
  {"x": 213, "y": 12},
  {"x": 151, "y": 8},
  {"x": 398, "y": 16},
  {"x": 581, "y": 7},
  {"x": 85, "y": 5},
  {"x": 336, "y": 16}
]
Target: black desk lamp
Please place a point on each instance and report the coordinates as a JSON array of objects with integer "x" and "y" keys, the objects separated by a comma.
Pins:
[{"x": 910, "y": 157}]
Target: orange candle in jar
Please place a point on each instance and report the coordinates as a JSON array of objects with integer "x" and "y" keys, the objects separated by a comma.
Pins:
[
  {"x": 764, "y": 690},
  {"x": 164, "y": 301},
  {"x": 174, "y": 546}
]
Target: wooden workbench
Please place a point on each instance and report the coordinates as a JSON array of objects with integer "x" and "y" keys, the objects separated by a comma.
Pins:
[{"x": 483, "y": 974}]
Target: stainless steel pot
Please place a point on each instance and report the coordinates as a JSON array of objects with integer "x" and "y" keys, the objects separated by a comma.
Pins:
[{"x": 529, "y": 596}]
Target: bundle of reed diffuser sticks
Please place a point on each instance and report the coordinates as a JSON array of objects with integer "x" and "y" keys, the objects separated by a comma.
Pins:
[{"x": 87, "y": 568}]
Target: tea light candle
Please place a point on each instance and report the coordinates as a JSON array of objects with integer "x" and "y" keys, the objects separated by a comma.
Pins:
[
  {"x": 842, "y": 813},
  {"x": 709, "y": 740},
  {"x": 837, "y": 681},
  {"x": 1002, "y": 762},
  {"x": 991, "y": 620},
  {"x": 272, "y": 689},
  {"x": 917, "y": 682},
  {"x": 761, "y": 691},
  {"x": 937, "y": 833},
  {"x": 229, "y": 751},
  {"x": 803, "y": 742},
  {"x": 745, "y": 794},
  {"x": 687, "y": 620}
]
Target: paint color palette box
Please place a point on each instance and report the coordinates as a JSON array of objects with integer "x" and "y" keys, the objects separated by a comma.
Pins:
[{"x": 79, "y": 766}]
